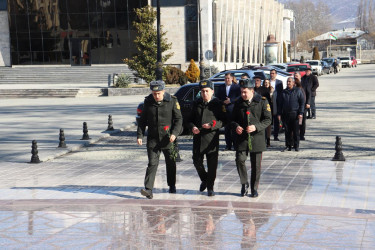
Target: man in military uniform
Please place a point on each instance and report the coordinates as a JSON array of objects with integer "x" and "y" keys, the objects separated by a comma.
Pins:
[
  {"x": 209, "y": 116},
  {"x": 251, "y": 116},
  {"x": 162, "y": 115}
]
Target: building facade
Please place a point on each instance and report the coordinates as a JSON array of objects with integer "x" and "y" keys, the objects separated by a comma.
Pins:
[{"x": 82, "y": 33}]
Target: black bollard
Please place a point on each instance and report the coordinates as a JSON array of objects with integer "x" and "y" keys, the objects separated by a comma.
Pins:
[
  {"x": 85, "y": 132},
  {"x": 62, "y": 143},
  {"x": 34, "y": 152},
  {"x": 110, "y": 123},
  {"x": 338, "y": 155}
]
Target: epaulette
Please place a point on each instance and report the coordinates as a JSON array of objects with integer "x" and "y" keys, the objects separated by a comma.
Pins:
[{"x": 173, "y": 96}]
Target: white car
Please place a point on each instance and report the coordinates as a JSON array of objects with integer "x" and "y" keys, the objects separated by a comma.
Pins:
[{"x": 316, "y": 67}]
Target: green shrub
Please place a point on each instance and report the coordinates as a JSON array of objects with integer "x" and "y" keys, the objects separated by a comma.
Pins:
[
  {"x": 192, "y": 73},
  {"x": 173, "y": 75},
  {"x": 123, "y": 81}
]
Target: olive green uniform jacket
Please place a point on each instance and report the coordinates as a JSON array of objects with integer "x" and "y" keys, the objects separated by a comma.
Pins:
[
  {"x": 156, "y": 117},
  {"x": 260, "y": 117},
  {"x": 207, "y": 141}
]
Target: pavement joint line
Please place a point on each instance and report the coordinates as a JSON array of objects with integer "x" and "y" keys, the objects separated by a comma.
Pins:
[{"x": 86, "y": 143}]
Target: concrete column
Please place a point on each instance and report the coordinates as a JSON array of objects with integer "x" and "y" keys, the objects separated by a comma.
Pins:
[
  {"x": 4, "y": 40},
  {"x": 206, "y": 15}
]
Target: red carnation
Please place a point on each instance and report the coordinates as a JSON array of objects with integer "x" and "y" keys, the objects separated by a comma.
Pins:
[
  {"x": 166, "y": 128},
  {"x": 248, "y": 112},
  {"x": 213, "y": 123}
]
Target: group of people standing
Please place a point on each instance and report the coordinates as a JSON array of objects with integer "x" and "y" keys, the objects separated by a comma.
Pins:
[
  {"x": 246, "y": 111},
  {"x": 248, "y": 115}
]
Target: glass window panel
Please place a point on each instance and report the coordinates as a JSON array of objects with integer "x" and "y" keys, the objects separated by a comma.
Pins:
[
  {"x": 23, "y": 41},
  {"x": 191, "y": 51},
  {"x": 51, "y": 44},
  {"x": 191, "y": 32},
  {"x": 122, "y": 20},
  {"x": 77, "y": 6},
  {"x": 22, "y": 23},
  {"x": 79, "y": 21},
  {"x": 63, "y": 21},
  {"x": 94, "y": 6},
  {"x": 109, "y": 20},
  {"x": 191, "y": 13},
  {"x": 95, "y": 24},
  {"x": 14, "y": 58},
  {"x": 121, "y": 5},
  {"x": 24, "y": 57},
  {"x": 12, "y": 23},
  {"x": 107, "y": 5},
  {"x": 36, "y": 44},
  {"x": 37, "y": 57}
]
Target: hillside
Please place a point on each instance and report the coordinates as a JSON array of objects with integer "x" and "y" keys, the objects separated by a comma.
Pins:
[{"x": 343, "y": 12}]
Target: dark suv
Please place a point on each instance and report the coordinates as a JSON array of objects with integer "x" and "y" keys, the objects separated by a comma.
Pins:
[{"x": 186, "y": 95}]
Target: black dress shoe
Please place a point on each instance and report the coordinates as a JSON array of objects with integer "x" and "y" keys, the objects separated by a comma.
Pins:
[
  {"x": 210, "y": 192},
  {"x": 314, "y": 117},
  {"x": 178, "y": 159},
  {"x": 276, "y": 139},
  {"x": 203, "y": 186},
  {"x": 147, "y": 193},
  {"x": 254, "y": 194},
  {"x": 296, "y": 149},
  {"x": 172, "y": 189},
  {"x": 308, "y": 117},
  {"x": 244, "y": 189},
  {"x": 302, "y": 138}
]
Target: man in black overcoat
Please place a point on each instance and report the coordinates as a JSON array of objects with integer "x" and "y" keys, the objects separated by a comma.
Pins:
[
  {"x": 209, "y": 116},
  {"x": 162, "y": 115}
]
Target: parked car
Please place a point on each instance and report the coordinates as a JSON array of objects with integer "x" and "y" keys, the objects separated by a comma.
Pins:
[
  {"x": 346, "y": 62},
  {"x": 281, "y": 74},
  {"x": 298, "y": 67},
  {"x": 331, "y": 60},
  {"x": 326, "y": 68},
  {"x": 186, "y": 95},
  {"x": 354, "y": 61},
  {"x": 281, "y": 66},
  {"x": 220, "y": 77},
  {"x": 316, "y": 67}
]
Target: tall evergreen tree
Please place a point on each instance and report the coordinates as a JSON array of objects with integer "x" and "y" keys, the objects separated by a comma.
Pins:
[{"x": 144, "y": 60}]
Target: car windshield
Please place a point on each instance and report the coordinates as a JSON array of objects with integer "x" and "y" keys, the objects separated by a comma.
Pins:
[
  {"x": 297, "y": 68},
  {"x": 313, "y": 63},
  {"x": 344, "y": 58},
  {"x": 328, "y": 60}
]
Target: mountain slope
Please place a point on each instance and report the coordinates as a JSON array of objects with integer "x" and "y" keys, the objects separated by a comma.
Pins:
[{"x": 343, "y": 12}]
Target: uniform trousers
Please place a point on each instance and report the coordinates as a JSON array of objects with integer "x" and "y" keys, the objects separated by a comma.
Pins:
[
  {"x": 153, "y": 162},
  {"x": 255, "y": 161},
  {"x": 292, "y": 134},
  {"x": 302, "y": 128},
  {"x": 208, "y": 176}
]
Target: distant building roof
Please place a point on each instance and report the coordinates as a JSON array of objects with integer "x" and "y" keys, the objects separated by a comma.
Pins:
[{"x": 340, "y": 34}]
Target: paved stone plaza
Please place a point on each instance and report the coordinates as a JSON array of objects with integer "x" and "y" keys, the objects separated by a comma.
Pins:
[{"x": 90, "y": 198}]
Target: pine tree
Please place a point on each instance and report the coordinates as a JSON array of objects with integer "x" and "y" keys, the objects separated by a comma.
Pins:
[
  {"x": 192, "y": 72},
  {"x": 316, "y": 55},
  {"x": 144, "y": 60}
]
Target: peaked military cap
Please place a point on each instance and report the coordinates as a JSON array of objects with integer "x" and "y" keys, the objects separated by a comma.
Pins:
[
  {"x": 157, "y": 85},
  {"x": 206, "y": 84},
  {"x": 247, "y": 83}
]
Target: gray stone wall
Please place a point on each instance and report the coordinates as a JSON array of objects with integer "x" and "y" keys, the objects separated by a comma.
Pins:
[{"x": 4, "y": 39}]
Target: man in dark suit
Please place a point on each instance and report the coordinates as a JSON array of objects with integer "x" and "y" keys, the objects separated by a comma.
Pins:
[
  {"x": 278, "y": 86},
  {"x": 307, "y": 85},
  {"x": 228, "y": 94}
]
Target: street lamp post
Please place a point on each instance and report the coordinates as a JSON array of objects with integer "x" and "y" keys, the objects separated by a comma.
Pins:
[
  {"x": 201, "y": 67},
  {"x": 159, "y": 64}
]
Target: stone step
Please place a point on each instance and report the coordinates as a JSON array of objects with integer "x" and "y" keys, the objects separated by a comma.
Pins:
[{"x": 37, "y": 93}]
